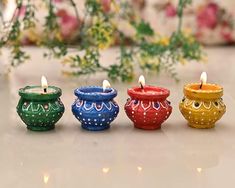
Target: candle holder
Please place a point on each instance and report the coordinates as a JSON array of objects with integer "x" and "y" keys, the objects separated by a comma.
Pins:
[
  {"x": 202, "y": 107},
  {"x": 148, "y": 107},
  {"x": 40, "y": 111},
  {"x": 95, "y": 108}
]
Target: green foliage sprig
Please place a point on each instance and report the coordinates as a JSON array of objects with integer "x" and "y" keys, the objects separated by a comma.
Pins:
[{"x": 98, "y": 30}]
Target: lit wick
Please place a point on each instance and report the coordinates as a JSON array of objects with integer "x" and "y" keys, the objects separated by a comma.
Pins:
[
  {"x": 203, "y": 79},
  {"x": 141, "y": 81},
  {"x": 106, "y": 85},
  {"x": 44, "y": 84}
]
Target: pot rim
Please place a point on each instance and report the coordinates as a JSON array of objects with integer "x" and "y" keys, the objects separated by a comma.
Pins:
[
  {"x": 159, "y": 93},
  {"x": 95, "y": 93},
  {"x": 210, "y": 91},
  {"x": 40, "y": 96}
]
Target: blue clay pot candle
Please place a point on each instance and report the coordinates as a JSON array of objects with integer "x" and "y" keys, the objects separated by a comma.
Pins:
[{"x": 95, "y": 107}]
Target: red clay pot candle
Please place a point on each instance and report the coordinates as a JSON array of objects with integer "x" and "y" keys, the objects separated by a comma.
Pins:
[{"x": 148, "y": 106}]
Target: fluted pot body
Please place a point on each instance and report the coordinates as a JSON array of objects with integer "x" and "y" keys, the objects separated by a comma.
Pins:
[
  {"x": 146, "y": 109},
  {"x": 202, "y": 108},
  {"x": 40, "y": 112},
  {"x": 95, "y": 108}
]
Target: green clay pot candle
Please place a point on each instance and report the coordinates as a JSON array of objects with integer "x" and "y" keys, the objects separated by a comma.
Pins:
[{"x": 40, "y": 107}]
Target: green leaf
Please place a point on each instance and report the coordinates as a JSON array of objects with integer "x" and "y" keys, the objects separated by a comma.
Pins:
[{"x": 144, "y": 28}]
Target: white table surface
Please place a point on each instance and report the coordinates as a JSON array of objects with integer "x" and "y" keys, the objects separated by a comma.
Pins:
[{"x": 175, "y": 156}]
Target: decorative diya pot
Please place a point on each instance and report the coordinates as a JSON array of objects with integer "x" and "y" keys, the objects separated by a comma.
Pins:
[
  {"x": 202, "y": 107},
  {"x": 95, "y": 107},
  {"x": 148, "y": 107},
  {"x": 38, "y": 110}
]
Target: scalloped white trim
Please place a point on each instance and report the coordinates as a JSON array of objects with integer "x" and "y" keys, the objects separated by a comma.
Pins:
[
  {"x": 200, "y": 104},
  {"x": 154, "y": 105},
  {"x": 145, "y": 108},
  {"x": 80, "y": 103},
  {"x": 188, "y": 102},
  {"x": 135, "y": 105},
  {"x": 93, "y": 105},
  {"x": 207, "y": 107},
  {"x": 27, "y": 108},
  {"x": 89, "y": 108},
  {"x": 166, "y": 105},
  {"x": 101, "y": 107},
  {"x": 37, "y": 107},
  {"x": 114, "y": 104},
  {"x": 50, "y": 106},
  {"x": 129, "y": 102},
  {"x": 150, "y": 105},
  {"x": 221, "y": 103},
  {"x": 54, "y": 108}
]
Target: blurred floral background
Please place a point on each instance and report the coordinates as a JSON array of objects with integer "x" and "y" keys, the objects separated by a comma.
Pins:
[
  {"x": 211, "y": 21},
  {"x": 153, "y": 35}
]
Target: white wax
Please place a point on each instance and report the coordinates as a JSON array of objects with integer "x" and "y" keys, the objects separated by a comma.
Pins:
[{"x": 40, "y": 90}]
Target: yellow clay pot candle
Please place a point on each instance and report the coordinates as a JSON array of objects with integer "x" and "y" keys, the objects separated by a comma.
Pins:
[{"x": 202, "y": 105}]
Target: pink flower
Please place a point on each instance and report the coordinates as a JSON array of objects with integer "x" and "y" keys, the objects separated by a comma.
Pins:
[
  {"x": 226, "y": 33},
  {"x": 20, "y": 11},
  {"x": 57, "y": 1},
  {"x": 170, "y": 10},
  {"x": 68, "y": 24},
  {"x": 207, "y": 16},
  {"x": 106, "y": 5}
]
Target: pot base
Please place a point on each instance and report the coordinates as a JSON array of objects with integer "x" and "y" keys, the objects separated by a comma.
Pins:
[
  {"x": 200, "y": 126},
  {"x": 41, "y": 128},
  {"x": 95, "y": 128},
  {"x": 147, "y": 127}
]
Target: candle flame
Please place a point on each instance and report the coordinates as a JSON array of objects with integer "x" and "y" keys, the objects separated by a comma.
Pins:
[
  {"x": 44, "y": 83},
  {"x": 142, "y": 81},
  {"x": 139, "y": 168},
  {"x": 203, "y": 79},
  {"x": 46, "y": 178},
  {"x": 106, "y": 85},
  {"x": 199, "y": 170},
  {"x": 105, "y": 170}
]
